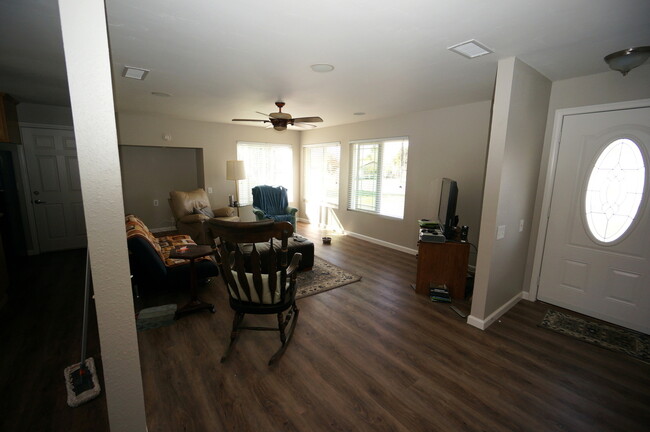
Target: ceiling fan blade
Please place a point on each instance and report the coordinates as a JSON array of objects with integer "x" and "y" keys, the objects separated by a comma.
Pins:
[
  {"x": 307, "y": 120},
  {"x": 264, "y": 114},
  {"x": 255, "y": 120}
]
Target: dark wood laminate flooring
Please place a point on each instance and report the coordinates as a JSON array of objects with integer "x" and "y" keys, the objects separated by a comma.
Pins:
[
  {"x": 40, "y": 335},
  {"x": 369, "y": 356},
  {"x": 374, "y": 356}
]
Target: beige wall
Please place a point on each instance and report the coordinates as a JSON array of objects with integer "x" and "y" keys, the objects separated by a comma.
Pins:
[
  {"x": 516, "y": 141},
  {"x": 217, "y": 141},
  {"x": 44, "y": 114},
  {"x": 449, "y": 142},
  {"x": 149, "y": 173},
  {"x": 597, "y": 89}
]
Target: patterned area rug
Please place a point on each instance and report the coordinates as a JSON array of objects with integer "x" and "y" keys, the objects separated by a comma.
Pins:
[
  {"x": 324, "y": 276},
  {"x": 613, "y": 338}
]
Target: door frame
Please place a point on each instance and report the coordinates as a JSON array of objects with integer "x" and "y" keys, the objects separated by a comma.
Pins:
[{"x": 547, "y": 195}]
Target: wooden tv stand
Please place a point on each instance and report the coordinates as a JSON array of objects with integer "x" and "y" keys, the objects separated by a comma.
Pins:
[{"x": 442, "y": 263}]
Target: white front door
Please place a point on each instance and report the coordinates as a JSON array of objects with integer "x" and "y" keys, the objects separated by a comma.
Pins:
[
  {"x": 595, "y": 260},
  {"x": 55, "y": 188}
]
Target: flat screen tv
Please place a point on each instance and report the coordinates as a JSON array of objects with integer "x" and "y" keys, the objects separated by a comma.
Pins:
[{"x": 447, "y": 207}]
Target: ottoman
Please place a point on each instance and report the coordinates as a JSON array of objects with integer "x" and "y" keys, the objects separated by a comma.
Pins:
[{"x": 300, "y": 244}]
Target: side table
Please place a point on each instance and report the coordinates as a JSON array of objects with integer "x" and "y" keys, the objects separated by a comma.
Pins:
[{"x": 192, "y": 253}]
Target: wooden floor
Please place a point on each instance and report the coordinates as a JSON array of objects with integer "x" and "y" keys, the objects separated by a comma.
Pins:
[
  {"x": 40, "y": 335},
  {"x": 369, "y": 356}
]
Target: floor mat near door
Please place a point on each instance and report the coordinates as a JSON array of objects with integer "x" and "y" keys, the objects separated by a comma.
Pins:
[{"x": 613, "y": 338}]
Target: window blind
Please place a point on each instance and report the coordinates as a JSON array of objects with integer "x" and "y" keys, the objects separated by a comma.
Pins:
[
  {"x": 266, "y": 164},
  {"x": 321, "y": 170}
]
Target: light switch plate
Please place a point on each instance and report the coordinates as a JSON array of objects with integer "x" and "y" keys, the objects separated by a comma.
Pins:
[
  {"x": 209, "y": 190},
  {"x": 155, "y": 203},
  {"x": 521, "y": 225},
  {"x": 501, "y": 232}
]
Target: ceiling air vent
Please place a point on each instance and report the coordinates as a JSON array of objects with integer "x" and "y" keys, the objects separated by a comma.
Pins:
[
  {"x": 470, "y": 49},
  {"x": 134, "y": 72}
]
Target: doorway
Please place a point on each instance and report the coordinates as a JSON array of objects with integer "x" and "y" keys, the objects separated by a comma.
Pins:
[
  {"x": 55, "y": 188},
  {"x": 595, "y": 239}
]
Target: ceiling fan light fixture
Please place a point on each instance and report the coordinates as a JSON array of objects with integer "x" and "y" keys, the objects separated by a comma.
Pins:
[
  {"x": 470, "y": 49},
  {"x": 627, "y": 59},
  {"x": 135, "y": 73},
  {"x": 280, "y": 127},
  {"x": 322, "y": 67}
]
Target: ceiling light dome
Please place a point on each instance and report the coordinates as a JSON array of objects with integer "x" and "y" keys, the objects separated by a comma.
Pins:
[
  {"x": 322, "y": 67},
  {"x": 626, "y": 60}
]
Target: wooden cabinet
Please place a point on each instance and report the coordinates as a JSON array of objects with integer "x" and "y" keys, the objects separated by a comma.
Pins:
[
  {"x": 442, "y": 263},
  {"x": 9, "y": 130}
]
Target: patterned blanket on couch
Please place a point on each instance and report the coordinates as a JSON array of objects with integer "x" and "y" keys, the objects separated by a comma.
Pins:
[{"x": 162, "y": 245}]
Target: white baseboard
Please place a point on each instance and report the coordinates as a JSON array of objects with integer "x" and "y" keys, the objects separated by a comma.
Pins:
[
  {"x": 382, "y": 243},
  {"x": 161, "y": 229},
  {"x": 374, "y": 240},
  {"x": 494, "y": 316}
]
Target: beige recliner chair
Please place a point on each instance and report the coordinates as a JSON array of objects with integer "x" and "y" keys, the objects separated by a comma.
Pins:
[{"x": 191, "y": 212}]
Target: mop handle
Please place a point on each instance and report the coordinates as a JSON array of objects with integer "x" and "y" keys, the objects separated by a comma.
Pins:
[{"x": 85, "y": 319}]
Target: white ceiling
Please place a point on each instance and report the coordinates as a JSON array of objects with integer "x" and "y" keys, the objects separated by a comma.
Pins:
[{"x": 222, "y": 60}]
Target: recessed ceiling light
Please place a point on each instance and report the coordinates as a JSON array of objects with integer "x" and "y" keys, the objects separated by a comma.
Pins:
[
  {"x": 134, "y": 72},
  {"x": 359, "y": 113},
  {"x": 322, "y": 67},
  {"x": 471, "y": 49},
  {"x": 161, "y": 94}
]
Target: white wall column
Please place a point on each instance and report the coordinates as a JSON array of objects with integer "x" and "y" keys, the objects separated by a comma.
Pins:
[{"x": 85, "y": 40}]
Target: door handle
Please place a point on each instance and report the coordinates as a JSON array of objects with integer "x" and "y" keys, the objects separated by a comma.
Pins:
[{"x": 39, "y": 202}]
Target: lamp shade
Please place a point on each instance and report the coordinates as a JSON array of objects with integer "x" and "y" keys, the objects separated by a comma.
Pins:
[{"x": 235, "y": 170}]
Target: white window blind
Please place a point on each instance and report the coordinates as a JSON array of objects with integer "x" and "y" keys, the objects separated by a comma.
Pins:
[
  {"x": 266, "y": 164},
  {"x": 378, "y": 176},
  {"x": 321, "y": 169}
]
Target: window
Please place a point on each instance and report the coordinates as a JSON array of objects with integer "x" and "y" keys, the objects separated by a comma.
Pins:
[
  {"x": 321, "y": 174},
  {"x": 614, "y": 190},
  {"x": 266, "y": 164},
  {"x": 378, "y": 176}
]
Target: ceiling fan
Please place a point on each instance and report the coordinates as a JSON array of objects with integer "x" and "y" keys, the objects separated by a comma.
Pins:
[{"x": 279, "y": 120}]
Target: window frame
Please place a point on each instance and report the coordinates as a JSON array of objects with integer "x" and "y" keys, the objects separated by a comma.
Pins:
[{"x": 353, "y": 179}]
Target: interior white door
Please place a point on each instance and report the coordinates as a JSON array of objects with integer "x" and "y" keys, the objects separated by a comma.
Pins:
[
  {"x": 580, "y": 271},
  {"x": 53, "y": 170}
]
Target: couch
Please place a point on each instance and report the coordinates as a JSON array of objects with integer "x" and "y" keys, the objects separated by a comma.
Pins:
[
  {"x": 192, "y": 210},
  {"x": 151, "y": 267}
]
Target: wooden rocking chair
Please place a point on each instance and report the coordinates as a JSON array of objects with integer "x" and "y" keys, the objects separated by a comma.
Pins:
[{"x": 253, "y": 289}]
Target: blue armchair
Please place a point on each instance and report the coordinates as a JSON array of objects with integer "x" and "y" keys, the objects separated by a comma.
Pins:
[{"x": 271, "y": 202}]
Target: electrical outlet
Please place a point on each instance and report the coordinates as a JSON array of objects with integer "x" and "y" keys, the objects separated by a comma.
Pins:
[
  {"x": 501, "y": 232},
  {"x": 155, "y": 203},
  {"x": 521, "y": 225}
]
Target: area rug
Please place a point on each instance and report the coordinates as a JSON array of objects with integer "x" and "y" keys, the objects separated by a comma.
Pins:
[
  {"x": 616, "y": 339},
  {"x": 324, "y": 276}
]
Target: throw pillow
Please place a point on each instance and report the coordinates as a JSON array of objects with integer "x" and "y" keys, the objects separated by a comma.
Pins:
[{"x": 207, "y": 211}]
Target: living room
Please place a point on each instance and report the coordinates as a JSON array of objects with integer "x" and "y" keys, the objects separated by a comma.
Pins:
[{"x": 476, "y": 143}]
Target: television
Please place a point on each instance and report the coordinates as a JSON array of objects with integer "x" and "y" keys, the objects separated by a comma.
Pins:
[{"x": 447, "y": 208}]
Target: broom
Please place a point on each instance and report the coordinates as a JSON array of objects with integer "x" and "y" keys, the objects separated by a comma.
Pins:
[{"x": 81, "y": 379}]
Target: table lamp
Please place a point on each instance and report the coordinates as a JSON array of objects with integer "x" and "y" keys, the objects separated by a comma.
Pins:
[{"x": 235, "y": 171}]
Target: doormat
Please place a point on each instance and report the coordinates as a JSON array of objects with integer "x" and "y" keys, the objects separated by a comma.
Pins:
[
  {"x": 613, "y": 338},
  {"x": 323, "y": 276}
]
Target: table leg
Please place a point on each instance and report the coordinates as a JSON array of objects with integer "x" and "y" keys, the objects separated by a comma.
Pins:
[{"x": 195, "y": 304}]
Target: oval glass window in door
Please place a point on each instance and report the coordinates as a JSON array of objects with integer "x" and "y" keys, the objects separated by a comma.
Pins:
[{"x": 614, "y": 190}]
